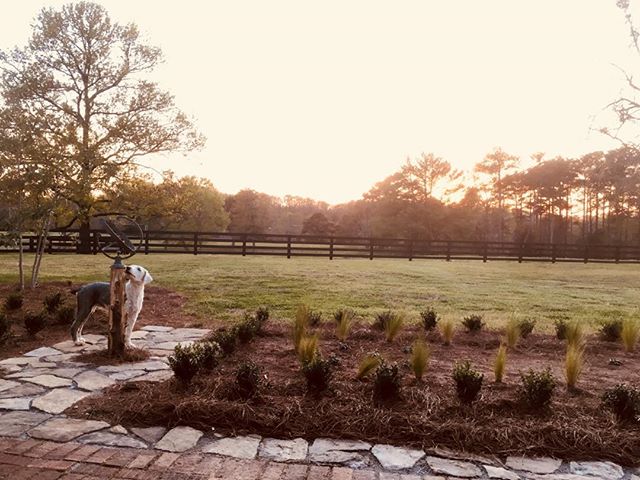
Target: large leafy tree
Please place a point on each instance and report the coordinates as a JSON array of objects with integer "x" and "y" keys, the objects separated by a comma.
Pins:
[{"x": 82, "y": 83}]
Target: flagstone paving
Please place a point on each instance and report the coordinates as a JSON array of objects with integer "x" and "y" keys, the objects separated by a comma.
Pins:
[{"x": 38, "y": 441}]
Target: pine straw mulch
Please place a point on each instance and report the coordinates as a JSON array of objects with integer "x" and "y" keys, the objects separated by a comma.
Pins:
[
  {"x": 427, "y": 416},
  {"x": 102, "y": 357}
]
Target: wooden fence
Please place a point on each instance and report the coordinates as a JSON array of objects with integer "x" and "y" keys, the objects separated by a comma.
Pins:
[{"x": 224, "y": 243}]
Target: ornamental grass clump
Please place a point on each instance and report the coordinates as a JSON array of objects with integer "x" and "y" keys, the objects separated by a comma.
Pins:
[
  {"x": 429, "y": 319},
  {"x": 630, "y": 333},
  {"x": 623, "y": 401},
  {"x": 308, "y": 348},
  {"x": 382, "y": 318},
  {"x": 575, "y": 334},
  {"x": 573, "y": 364},
  {"x": 13, "y": 301},
  {"x": 386, "y": 385},
  {"x": 392, "y": 327},
  {"x": 500, "y": 363},
  {"x": 473, "y": 323},
  {"x": 300, "y": 324},
  {"x": 344, "y": 321},
  {"x": 419, "y": 358},
  {"x": 185, "y": 362},
  {"x": 468, "y": 381},
  {"x": 537, "y": 388},
  {"x": 512, "y": 332},
  {"x": 368, "y": 364},
  {"x": 447, "y": 330}
]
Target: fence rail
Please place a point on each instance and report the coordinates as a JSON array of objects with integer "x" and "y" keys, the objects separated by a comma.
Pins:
[{"x": 224, "y": 243}]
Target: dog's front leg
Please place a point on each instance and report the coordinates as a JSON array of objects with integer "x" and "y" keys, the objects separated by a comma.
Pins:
[{"x": 131, "y": 320}]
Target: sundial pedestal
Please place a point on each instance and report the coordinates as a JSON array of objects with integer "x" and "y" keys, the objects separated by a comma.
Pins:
[{"x": 117, "y": 320}]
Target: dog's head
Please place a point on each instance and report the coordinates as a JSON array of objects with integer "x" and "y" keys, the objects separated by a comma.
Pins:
[{"x": 138, "y": 274}]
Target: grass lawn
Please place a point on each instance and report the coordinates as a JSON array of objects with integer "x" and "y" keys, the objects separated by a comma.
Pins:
[{"x": 222, "y": 286}]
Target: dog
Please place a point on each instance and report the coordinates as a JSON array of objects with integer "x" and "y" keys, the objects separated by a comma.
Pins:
[{"x": 97, "y": 295}]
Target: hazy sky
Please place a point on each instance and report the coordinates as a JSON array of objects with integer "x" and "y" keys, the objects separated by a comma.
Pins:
[{"x": 325, "y": 98}]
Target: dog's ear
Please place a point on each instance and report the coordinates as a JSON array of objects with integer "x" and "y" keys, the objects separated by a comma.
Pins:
[{"x": 147, "y": 278}]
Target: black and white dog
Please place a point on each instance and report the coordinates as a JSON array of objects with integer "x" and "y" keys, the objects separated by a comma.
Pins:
[{"x": 97, "y": 295}]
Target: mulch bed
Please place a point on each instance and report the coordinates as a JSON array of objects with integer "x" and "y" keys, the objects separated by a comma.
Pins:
[
  {"x": 102, "y": 357},
  {"x": 427, "y": 416},
  {"x": 161, "y": 307}
]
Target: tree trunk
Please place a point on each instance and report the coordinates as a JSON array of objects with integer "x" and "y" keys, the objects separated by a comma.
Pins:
[
  {"x": 37, "y": 261},
  {"x": 84, "y": 245},
  {"x": 20, "y": 261}
]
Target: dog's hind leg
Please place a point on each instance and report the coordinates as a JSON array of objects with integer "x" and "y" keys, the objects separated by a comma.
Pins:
[
  {"x": 82, "y": 315},
  {"x": 131, "y": 321}
]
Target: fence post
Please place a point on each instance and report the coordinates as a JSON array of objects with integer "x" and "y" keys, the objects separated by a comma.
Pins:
[
  {"x": 411, "y": 250},
  {"x": 586, "y": 253},
  {"x": 195, "y": 243},
  {"x": 520, "y": 252},
  {"x": 370, "y": 248},
  {"x": 617, "y": 253},
  {"x": 94, "y": 242},
  {"x": 146, "y": 242},
  {"x": 553, "y": 253},
  {"x": 484, "y": 252},
  {"x": 49, "y": 240},
  {"x": 244, "y": 245},
  {"x": 331, "y": 248},
  {"x": 288, "y": 246}
]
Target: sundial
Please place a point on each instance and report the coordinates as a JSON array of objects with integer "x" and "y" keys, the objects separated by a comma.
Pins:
[{"x": 117, "y": 244}]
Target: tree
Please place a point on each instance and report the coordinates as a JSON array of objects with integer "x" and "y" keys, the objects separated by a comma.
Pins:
[
  {"x": 80, "y": 81},
  {"x": 250, "y": 211},
  {"x": 318, "y": 224},
  {"x": 427, "y": 171}
]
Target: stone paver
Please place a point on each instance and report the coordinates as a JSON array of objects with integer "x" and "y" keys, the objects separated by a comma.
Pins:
[
  {"x": 111, "y": 439},
  {"x": 7, "y": 384},
  {"x": 455, "y": 468},
  {"x": 18, "y": 403},
  {"x": 395, "y": 458},
  {"x": 65, "y": 429},
  {"x": 500, "y": 473},
  {"x": 237, "y": 447},
  {"x": 283, "y": 450},
  {"x": 23, "y": 390},
  {"x": 150, "y": 434},
  {"x": 542, "y": 465},
  {"x": 179, "y": 439},
  {"x": 42, "y": 352},
  {"x": 93, "y": 381},
  {"x": 607, "y": 470},
  {"x": 13, "y": 424},
  {"x": 50, "y": 381},
  {"x": 58, "y": 400}
]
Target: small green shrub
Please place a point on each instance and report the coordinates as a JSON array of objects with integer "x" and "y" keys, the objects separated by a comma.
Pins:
[
  {"x": 262, "y": 315},
  {"x": 473, "y": 323},
  {"x": 315, "y": 318},
  {"x": 537, "y": 388},
  {"x": 624, "y": 401},
  {"x": 386, "y": 386},
  {"x": 210, "y": 353},
  {"x": 382, "y": 319},
  {"x": 419, "y": 358},
  {"x": 65, "y": 315},
  {"x": 226, "y": 339},
  {"x": 248, "y": 328},
  {"x": 468, "y": 381},
  {"x": 34, "y": 322},
  {"x": 526, "y": 326},
  {"x": 248, "y": 379},
  {"x": 429, "y": 319},
  {"x": 318, "y": 373},
  {"x": 561, "y": 326},
  {"x": 13, "y": 301},
  {"x": 610, "y": 330},
  {"x": 185, "y": 362},
  {"x": 5, "y": 327},
  {"x": 368, "y": 365},
  {"x": 52, "y": 302}
]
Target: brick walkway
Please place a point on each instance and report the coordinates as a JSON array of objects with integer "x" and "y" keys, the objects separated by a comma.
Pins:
[{"x": 42, "y": 460}]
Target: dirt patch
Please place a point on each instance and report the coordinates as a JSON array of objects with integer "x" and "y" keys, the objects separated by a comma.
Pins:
[
  {"x": 428, "y": 415},
  {"x": 161, "y": 307},
  {"x": 101, "y": 357}
]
